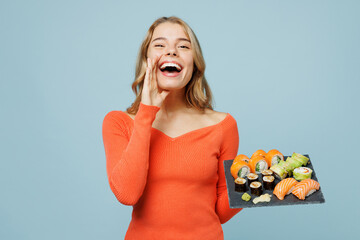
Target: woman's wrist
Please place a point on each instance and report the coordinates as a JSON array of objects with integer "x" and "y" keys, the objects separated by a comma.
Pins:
[
  {"x": 146, "y": 114},
  {"x": 145, "y": 105}
]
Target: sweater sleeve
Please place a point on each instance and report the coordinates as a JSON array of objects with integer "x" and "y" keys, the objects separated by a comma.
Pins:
[
  {"x": 127, "y": 157},
  {"x": 228, "y": 150}
]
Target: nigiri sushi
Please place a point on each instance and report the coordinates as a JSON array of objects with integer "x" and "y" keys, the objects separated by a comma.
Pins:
[
  {"x": 284, "y": 187},
  {"x": 305, "y": 188}
]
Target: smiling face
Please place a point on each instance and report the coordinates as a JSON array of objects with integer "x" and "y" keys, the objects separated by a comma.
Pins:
[{"x": 176, "y": 65}]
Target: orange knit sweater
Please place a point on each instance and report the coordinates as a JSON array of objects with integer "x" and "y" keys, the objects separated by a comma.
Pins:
[{"x": 176, "y": 185}]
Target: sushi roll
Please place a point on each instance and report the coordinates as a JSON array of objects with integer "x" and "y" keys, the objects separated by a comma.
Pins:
[
  {"x": 240, "y": 184},
  {"x": 267, "y": 172},
  {"x": 239, "y": 169},
  {"x": 302, "y": 173},
  {"x": 279, "y": 172},
  {"x": 294, "y": 162},
  {"x": 284, "y": 187},
  {"x": 287, "y": 166},
  {"x": 258, "y": 164},
  {"x": 305, "y": 188},
  {"x": 259, "y": 152},
  {"x": 274, "y": 157},
  {"x": 241, "y": 157},
  {"x": 255, "y": 188},
  {"x": 304, "y": 160},
  {"x": 252, "y": 177},
  {"x": 269, "y": 182}
]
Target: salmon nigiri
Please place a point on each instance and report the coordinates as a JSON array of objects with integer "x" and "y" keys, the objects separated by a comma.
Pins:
[
  {"x": 305, "y": 188},
  {"x": 284, "y": 187}
]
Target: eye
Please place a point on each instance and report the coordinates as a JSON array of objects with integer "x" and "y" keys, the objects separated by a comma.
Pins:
[
  {"x": 159, "y": 45},
  {"x": 183, "y": 46}
]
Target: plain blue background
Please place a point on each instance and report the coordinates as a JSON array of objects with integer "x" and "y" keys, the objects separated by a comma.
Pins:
[{"x": 288, "y": 71}]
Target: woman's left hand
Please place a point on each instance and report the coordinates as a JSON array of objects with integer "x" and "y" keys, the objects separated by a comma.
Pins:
[{"x": 150, "y": 92}]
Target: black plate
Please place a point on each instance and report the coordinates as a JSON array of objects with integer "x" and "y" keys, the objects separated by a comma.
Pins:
[{"x": 237, "y": 202}]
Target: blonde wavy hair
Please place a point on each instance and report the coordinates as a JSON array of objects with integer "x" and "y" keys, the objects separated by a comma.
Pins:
[{"x": 197, "y": 91}]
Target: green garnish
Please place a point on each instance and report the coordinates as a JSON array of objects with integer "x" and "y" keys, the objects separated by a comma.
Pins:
[
  {"x": 239, "y": 173},
  {"x": 246, "y": 197}
]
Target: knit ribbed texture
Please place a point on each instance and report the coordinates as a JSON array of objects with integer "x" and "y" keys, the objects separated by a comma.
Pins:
[{"x": 176, "y": 185}]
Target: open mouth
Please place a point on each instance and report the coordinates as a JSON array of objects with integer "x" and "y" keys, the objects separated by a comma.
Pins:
[{"x": 170, "y": 68}]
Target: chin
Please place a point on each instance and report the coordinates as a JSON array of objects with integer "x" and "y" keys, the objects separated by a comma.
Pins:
[
  {"x": 169, "y": 84},
  {"x": 169, "y": 87}
]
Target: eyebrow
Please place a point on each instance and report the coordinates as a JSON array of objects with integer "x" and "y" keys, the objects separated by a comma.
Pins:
[{"x": 179, "y": 39}]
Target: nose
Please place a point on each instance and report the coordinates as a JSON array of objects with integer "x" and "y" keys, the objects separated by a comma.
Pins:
[{"x": 171, "y": 51}]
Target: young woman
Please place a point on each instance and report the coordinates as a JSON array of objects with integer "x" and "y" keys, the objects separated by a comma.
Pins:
[{"x": 165, "y": 154}]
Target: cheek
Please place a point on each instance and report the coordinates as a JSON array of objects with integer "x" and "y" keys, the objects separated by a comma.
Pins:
[
  {"x": 190, "y": 68},
  {"x": 190, "y": 63},
  {"x": 152, "y": 53},
  {"x": 188, "y": 74}
]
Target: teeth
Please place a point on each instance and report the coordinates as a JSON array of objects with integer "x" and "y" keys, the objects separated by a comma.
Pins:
[{"x": 170, "y": 65}]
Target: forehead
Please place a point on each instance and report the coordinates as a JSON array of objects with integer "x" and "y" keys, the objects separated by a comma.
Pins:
[{"x": 170, "y": 31}]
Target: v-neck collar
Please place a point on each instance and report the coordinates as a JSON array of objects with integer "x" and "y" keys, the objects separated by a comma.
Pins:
[{"x": 184, "y": 134}]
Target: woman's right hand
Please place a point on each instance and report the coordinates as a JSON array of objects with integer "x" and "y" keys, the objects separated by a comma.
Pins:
[{"x": 150, "y": 92}]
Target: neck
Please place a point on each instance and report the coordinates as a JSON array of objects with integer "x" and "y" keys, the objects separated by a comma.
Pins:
[{"x": 174, "y": 104}]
